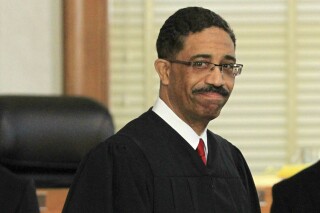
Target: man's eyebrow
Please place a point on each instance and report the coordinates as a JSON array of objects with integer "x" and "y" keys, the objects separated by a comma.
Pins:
[
  {"x": 230, "y": 57},
  {"x": 200, "y": 56},
  {"x": 208, "y": 56}
]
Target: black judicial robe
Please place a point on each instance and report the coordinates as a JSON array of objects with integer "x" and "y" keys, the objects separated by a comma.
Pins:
[
  {"x": 147, "y": 167},
  {"x": 17, "y": 194},
  {"x": 299, "y": 193}
]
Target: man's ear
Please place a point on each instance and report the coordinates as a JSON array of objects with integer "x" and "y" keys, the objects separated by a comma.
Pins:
[{"x": 163, "y": 69}]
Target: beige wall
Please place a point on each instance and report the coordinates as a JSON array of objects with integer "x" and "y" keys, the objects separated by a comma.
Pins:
[{"x": 30, "y": 47}]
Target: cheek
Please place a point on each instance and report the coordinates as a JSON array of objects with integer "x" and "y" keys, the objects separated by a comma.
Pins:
[
  {"x": 181, "y": 87},
  {"x": 182, "y": 81},
  {"x": 179, "y": 80},
  {"x": 230, "y": 85}
]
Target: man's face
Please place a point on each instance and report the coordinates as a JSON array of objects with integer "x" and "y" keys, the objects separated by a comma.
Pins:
[{"x": 210, "y": 45}]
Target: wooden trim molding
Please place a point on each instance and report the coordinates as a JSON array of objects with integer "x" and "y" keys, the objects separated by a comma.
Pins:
[{"x": 85, "y": 49}]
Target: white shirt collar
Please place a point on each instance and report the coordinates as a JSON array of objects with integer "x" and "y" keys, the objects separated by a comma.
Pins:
[{"x": 161, "y": 109}]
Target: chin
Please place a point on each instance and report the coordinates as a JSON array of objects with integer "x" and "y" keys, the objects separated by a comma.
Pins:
[
  {"x": 212, "y": 112},
  {"x": 211, "y": 116}
]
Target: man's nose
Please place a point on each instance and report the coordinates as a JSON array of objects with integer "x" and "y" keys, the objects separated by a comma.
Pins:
[{"x": 215, "y": 76}]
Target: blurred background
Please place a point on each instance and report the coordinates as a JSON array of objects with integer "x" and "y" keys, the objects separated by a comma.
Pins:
[{"x": 273, "y": 115}]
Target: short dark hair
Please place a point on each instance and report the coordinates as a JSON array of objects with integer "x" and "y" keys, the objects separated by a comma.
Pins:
[{"x": 183, "y": 22}]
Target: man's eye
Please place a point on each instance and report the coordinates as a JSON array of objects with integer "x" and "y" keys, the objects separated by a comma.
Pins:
[
  {"x": 227, "y": 66},
  {"x": 200, "y": 64}
]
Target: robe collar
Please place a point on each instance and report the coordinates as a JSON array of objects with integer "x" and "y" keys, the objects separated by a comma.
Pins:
[{"x": 162, "y": 110}]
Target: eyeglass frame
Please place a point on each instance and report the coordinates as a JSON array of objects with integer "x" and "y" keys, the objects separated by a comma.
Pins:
[{"x": 221, "y": 66}]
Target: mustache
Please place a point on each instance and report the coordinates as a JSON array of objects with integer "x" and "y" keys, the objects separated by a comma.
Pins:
[{"x": 210, "y": 88}]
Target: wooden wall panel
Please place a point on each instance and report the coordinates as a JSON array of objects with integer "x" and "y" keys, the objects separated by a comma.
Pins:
[{"x": 85, "y": 49}]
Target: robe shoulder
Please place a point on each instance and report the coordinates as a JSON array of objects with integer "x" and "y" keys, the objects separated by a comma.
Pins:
[
  {"x": 18, "y": 194},
  {"x": 109, "y": 173}
]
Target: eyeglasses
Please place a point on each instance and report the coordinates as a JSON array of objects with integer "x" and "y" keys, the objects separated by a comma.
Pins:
[{"x": 230, "y": 70}]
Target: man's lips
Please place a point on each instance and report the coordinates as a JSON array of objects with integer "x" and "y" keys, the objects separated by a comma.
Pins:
[{"x": 211, "y": 97}]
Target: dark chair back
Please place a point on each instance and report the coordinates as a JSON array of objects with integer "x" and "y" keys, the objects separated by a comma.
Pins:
[{"x": 45, "y": 137}]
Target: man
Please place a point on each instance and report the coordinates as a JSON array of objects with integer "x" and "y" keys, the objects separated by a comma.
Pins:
[
  {"x": 17, "y": 194},
  {"x": 299, "y": 193},
  {"x": 152, "y": 164}
]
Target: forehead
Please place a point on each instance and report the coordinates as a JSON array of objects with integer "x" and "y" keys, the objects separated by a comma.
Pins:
[{"x": 211, "y": 41}]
